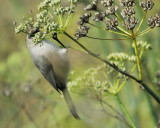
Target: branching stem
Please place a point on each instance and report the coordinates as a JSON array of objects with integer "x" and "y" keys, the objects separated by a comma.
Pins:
[{"x": 116, "y": 68}]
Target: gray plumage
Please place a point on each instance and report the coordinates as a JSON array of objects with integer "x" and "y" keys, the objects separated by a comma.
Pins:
[{"x": 54, "y": 64}]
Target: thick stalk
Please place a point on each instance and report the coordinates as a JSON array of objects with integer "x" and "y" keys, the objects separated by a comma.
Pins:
[
  {"x": 125, "y": 111},
  {"x": 138, "y": 59},
  {"x": 116, "y": 68}
]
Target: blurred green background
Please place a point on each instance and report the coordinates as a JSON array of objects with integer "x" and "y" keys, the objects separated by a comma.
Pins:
[{"x": 28, "y": 101}]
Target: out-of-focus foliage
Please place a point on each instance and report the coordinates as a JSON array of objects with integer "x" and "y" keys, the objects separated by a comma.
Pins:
[{"x": 28, "y": 101}]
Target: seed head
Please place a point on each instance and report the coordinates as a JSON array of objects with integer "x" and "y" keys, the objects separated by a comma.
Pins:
[
  {"x": 111, "y": 10},
  {"x": 127, "y": 3},
  {"x": 92, "y": 6},
  {"x": 81, "y": 31},
  {"x": 106, "y": 3},
  {"x": 111, "y": 23},
  {"x": 99, "y": 16},
  {"x": 127, "y": 12},
  {"x": 130, "y": 22},
  {"x": 148, "y": 5},
  {"x": 154, "y": 21},
  {"x": 84, "y": 19}
]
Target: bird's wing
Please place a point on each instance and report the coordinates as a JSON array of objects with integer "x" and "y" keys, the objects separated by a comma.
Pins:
[{"x": 46, "y": 69}]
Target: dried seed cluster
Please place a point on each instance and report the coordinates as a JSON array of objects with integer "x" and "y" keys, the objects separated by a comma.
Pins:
[
  {"x": 81, "y": 31},
  {"x": 147, "y": 5},
  {"x": 154, "y": 21},
  {"x": 106, "y": 3},
  {"x": 110, "y": 17},
  {"x": 127, "y": 3},
  {"x": 98, "y": 16},
  {"x": 111, "y": 23},
  {"x": 92, "y": 6}
]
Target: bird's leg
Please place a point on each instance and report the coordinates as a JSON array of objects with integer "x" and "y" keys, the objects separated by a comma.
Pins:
[{"x": 54, "y": 36}]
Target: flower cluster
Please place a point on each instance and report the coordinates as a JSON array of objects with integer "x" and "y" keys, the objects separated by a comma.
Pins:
[
  {"x": 147, "y": 5},
  {"x": 98, "y": 16},
  {"x": 84, "y": 19},
  {"x": 111, "y": 10},
  {"x": 81, "y": 31},
  {"x": 45, "y": 22},
  {"x": 107, "y": 3},
  {"x": 144, "y": 45},
  {"x": 127, "y": 3},
  {"x": 111, "y": 23},
  {"x": 92, "y": 6},
  {"x": 128, "y": 13},
  {"x": 38, "y": 37},
  {"x": 88, "y": 83},
  {"x": 154, "y": 21},
  {"x": 130, "y": 22},
  {"x": 110, "y": 17},
  {"x": 114, "y": 57}
]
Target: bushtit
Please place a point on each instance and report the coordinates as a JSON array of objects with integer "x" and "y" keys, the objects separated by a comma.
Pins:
[{"x": 53, "y": 62}]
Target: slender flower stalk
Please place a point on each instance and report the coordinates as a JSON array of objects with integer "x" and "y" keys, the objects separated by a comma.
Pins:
[
  {"x": 108, "y": 39},
  {"x": 125, "y": 111},
  {"x": 144, "y": 32},
  {"x": 123, "y": 34},
  {"x": 120, "y": 19},
  {"x": 122, "y": 30},
  {"x": 141, "y": 22}
]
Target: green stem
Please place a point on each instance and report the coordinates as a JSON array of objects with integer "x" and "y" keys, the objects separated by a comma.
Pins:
[
  {"x": 120, "y": 19},
  {"x": 116, "y": 68},
  {"x": 134, "y": 67},
  {"x": 141, "y": 23},
  {"x": 125, "y": 111},
  {"x": 122, "y": 30},
  {"x": 121, "y": 86},
  {"x": 109, "y": 30},
  {"x": 107, "y": 39},
  {"x": 145, "y": 32},
  {"x": 138, "y": 60}
]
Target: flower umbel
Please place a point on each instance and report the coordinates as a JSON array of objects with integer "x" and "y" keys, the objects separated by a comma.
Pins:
[{"x": 47, "y": 22}]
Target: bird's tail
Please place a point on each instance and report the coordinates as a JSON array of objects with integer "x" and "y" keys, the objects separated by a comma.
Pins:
[{"x": 70, "y": 104}]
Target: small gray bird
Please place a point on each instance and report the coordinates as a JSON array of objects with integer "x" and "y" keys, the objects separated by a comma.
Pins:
[{"x": 54, "y": 64}]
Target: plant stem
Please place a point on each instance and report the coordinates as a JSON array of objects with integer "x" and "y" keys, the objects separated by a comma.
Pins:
[
  {"x": 108, "y": 30},
  {"x": 141, "y": 23},
  {"x": 120, "y": 19},
  {"x": 145, "y": 31},
  {"x": 138, "y": 60},
  {"x": 107, "y": 39},
  {"x": 125, "y": 111},
  {"x": 116, "y": 68},
  {"x": 122, "y": 30}
]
